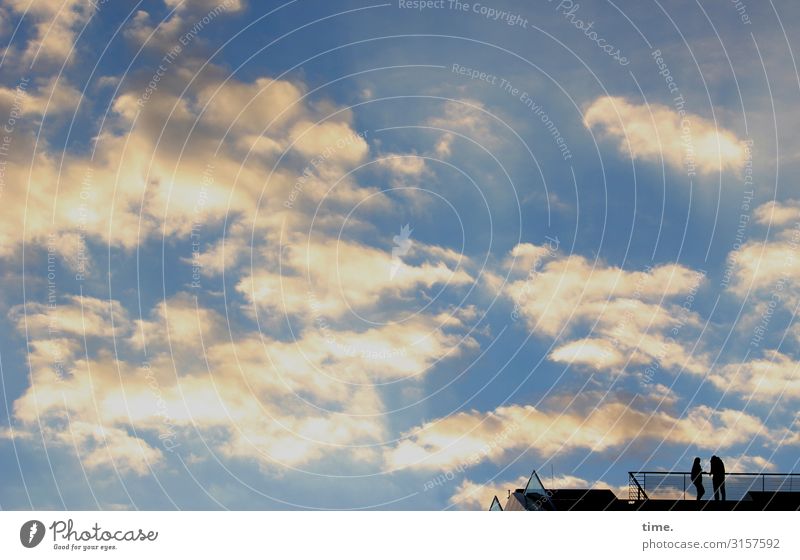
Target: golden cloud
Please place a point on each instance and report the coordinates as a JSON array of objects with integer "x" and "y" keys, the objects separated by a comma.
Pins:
[{"x": 654, "y": 132}]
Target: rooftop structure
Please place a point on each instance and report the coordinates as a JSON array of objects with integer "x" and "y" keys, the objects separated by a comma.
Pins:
[{"x": 661, "y": 491}]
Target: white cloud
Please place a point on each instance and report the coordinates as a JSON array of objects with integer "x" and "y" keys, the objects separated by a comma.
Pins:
[
  {"x": 468, "y": 117},
  {"x": 42, "y": 97},
  {"x": 778, "y": 213},
  {"x": 331, "y": 280},
  {"x": 166, "y": 174},
  {"x": 597, "y": 353},
  {"x": 770, "y": 378},
  {"x": 652, "y": 132},
  {"x": 54, "y": 25},
  {"x": 403, "y": 164},
  {"x": 470, "y": 495},
  {"x": 186, "y": 15},
  {"x": 748, "y": 463},
  {"x": 767, "y": 270},
  {"x": 278, "y": 403},
  {"x": 635, "y": 316},
  {"x": 73, "y": 316},
  {"x": 471, "y": 437}
]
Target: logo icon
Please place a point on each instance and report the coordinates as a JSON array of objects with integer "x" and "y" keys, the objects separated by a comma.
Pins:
[
  {"x": 402, "y": 245},
  {"x": 31, "y": 533}
]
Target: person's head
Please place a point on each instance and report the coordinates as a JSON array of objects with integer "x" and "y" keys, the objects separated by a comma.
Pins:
[{"x": 697, "y": 460}]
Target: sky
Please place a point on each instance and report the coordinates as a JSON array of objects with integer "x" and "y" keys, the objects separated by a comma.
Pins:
[{"x": 366, "y": 255}]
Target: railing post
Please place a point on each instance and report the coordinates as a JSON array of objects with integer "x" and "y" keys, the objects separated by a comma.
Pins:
[{"x": 684, "y": 486}]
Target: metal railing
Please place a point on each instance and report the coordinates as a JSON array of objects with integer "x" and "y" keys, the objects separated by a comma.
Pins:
[{"x": 644, "y": 485}]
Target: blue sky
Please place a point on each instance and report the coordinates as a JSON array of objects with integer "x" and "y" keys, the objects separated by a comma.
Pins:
[{"x": 210, "y": 299}]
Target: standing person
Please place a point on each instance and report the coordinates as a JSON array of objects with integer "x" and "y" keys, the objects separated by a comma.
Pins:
[
  {"x": 697, "y": 478},
  {"x": 718, "y": 477}
]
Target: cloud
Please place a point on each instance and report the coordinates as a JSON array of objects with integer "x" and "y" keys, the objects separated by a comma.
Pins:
[
  {"x": 748, "y": 463},
  {"x": 596, "y": 353},
  {"x": 467, "y": 117},
  {"x": 201, "y": 6},
  {"x": 771, "y": 378},
  {"x": 158, "y": 168},
  {"x": 633, "y": 315},
  {"x": 569, "y": 290},
  {"x": 471, "y": 437},
  {"x": 329, "y": 140},
  {"x": 53, "y": 27},
  {"x": 768, "y": 269},
  {"x": 653, "y": 132},
  {"x": 779, "y": 214},
  {"x": 112, "y": 448},
  {"x": 44, "y": 97},
  {"x": 322, "y": 279},
  {"x": 159, "y": 171},
  {"x": 410, "y": 165},
  {"x": 186, "y": 16},
  {"x": 278, "y": 403},
  {"x": 470, "y": 495},
  {"x": 263, "y": 104},
  {"x": 73, "y": 316}
]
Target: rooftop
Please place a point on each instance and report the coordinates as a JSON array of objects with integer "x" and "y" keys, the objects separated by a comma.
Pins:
[{"x": 661, "y": 491}]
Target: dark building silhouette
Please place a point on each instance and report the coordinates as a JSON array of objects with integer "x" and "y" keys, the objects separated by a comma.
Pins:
[{"x": 662, "y": 491}]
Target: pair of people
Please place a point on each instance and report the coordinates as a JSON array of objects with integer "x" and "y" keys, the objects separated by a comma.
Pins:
[{"x": 717, "y": 472}]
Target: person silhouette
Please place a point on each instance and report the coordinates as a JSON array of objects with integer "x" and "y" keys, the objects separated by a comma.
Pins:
[
  {"x": 697, "y": 478},
  {"x": 717, "y": 471}
]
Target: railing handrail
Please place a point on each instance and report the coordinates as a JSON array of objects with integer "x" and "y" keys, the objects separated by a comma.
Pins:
[
  {"x": 726, "y": 474},
  {"x": 638, "y": 481},
  {"x": 640, "y": 491}
]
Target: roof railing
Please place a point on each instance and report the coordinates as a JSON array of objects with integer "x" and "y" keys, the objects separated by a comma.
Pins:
[{"x": 677, "y": 485}]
